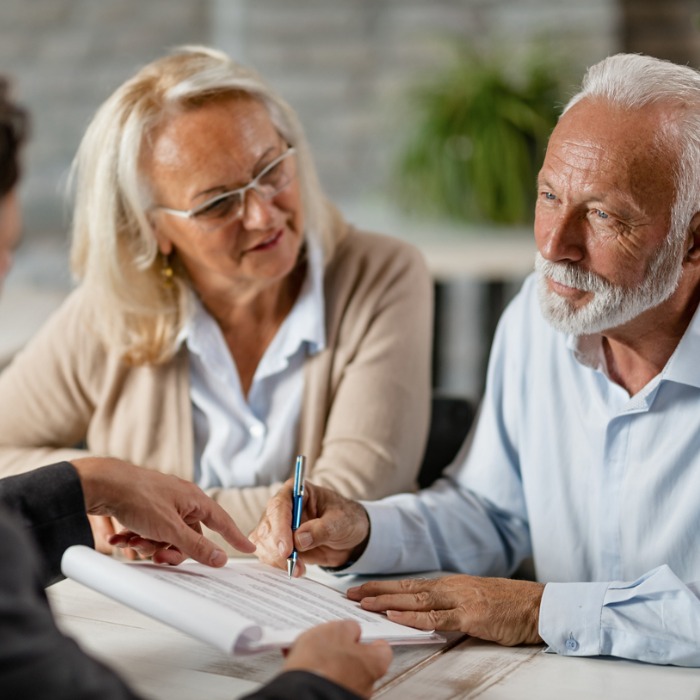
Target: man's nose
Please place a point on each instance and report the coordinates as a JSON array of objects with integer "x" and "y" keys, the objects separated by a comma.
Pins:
[{"x": 560, "y": 236}]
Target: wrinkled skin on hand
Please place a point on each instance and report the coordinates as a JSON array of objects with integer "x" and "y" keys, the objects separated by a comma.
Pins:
[
  {"x": 495, "y": 609},
  {"x": 333, "y": 530},
  {"x": 333, "y": 650}
]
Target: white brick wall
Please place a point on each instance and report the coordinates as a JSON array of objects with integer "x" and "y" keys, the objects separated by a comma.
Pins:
[
  {"x": 66, "y": 57},
  {"x": 344, "y": 64}
]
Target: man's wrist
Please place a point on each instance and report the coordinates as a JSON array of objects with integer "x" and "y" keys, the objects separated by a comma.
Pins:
[
  {"x": 94, "y": 475},
  {"x": 532, "y": 612},
  {"x": 357, "y": 551},
  {"x": 354, "y": 555}
]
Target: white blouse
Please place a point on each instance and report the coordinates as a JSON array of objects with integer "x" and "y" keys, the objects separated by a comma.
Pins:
[{"x": 239, "y": 442}]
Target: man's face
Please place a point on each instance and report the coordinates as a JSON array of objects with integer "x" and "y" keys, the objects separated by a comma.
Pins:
[
  {"x": 10, "y": 228},
  {"x": 605, "y": 195}
]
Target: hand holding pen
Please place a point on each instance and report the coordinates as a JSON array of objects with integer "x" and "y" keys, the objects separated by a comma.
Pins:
[{"x": 297, "y": 507}]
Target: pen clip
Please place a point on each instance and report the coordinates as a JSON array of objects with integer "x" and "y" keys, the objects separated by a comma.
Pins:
[{"x": 299, "y": 468}]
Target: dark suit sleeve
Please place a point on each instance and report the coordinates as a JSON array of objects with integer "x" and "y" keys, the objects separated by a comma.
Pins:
[
  {"x": 45, "y": 508},
  {"x": 48, "y": 503},
  {"x": 39, "y": 662},
  {"x": 301, "y": 685},
  {"x": 36, "y": 660}
]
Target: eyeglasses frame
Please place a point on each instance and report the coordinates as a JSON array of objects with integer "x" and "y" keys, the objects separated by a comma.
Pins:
[{"x": 252, "y": 185}]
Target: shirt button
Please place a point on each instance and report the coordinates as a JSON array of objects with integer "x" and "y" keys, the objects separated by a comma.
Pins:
[
  {"x": 257, "y": 430},
  {"x": 571, "y": 644}
]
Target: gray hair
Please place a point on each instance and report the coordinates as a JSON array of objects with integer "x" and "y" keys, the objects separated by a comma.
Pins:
[
  {"x": 114, "y": 248},
  {"x": 633, "y": 81}
]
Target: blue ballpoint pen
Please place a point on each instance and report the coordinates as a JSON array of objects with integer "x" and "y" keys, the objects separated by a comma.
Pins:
[{"x": 297, "y": 505}]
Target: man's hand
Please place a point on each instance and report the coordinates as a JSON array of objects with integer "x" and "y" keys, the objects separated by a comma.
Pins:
[
  {"x": 104, "y": 530},
  {"x": 333, "y": 528},
  {"x": 162, "y": 514},
  {"x": 333, "y": 650},
  {"x": 496, "y": 609}
]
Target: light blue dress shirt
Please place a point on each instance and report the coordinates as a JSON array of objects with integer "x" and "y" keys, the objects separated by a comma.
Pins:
[
  {"x": 600, "y": 488},
  {"x": 251, "y": 441}
]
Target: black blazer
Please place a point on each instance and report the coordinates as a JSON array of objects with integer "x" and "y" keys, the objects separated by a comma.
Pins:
[{"x": 42, "y": 513}]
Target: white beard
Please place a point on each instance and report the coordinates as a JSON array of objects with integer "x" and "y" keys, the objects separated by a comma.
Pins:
[{"x": 611, "y": 305}]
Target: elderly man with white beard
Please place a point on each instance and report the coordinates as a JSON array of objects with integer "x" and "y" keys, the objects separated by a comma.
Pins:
[{"x": 586, "y": 452}]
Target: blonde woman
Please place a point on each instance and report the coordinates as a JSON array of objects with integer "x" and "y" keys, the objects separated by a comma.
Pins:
[{"x": 227, "y": 318}]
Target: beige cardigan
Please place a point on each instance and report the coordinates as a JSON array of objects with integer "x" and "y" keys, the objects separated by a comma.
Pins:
[{"x": 366, "y": 405}]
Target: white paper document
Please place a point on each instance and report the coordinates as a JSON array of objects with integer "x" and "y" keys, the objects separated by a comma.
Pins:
[{"x": 245, "y": 607}]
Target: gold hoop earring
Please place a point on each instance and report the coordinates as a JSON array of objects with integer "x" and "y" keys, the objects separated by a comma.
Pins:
[{"x": 167, "y": 273}]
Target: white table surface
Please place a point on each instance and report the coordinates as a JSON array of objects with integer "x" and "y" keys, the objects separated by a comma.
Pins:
[{"x": 161, "y": 662}]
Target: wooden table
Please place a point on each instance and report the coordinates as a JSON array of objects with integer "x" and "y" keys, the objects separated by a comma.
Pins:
[{"x": 161, "y": 662}]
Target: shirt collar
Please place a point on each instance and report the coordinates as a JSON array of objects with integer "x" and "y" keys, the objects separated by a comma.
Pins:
[
  {"x": 588, "y": 350},
  {"x": 306, "y": 321},
  {"x": 682, "y": 367}
]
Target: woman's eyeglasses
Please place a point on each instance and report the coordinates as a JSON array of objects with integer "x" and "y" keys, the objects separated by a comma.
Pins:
[{"x": 228, "y": 207}]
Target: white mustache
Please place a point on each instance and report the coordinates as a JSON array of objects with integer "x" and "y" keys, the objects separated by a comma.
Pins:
[{"x": 571, "y": 276}]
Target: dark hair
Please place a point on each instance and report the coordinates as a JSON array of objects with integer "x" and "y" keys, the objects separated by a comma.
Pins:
[{"x": 14, "y": 124}]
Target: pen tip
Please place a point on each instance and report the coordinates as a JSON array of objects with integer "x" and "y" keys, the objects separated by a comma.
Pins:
[{"x": 290, "y": 567}]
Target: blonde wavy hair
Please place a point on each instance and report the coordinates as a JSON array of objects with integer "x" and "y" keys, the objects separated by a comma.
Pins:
[{"x": 114, "y": 251}]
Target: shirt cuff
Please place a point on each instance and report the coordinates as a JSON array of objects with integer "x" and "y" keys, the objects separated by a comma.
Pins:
[
  {"x": 381, "y": 550},
  {"x": 570, "y": 617}
]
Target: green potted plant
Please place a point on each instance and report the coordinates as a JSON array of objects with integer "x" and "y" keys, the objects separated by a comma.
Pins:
[{"x": 477, "y": 139}]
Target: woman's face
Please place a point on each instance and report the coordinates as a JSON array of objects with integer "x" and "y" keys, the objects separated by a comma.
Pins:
[{"x": 207, "y": 151}]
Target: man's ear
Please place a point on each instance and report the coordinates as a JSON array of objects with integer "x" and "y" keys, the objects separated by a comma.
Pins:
[{"x": 692, "y": 252}]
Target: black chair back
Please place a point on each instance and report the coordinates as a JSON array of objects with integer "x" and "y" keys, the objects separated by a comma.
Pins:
[{"x": 450, "y": 422}]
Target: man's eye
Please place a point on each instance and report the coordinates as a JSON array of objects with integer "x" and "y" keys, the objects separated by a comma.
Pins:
[
  {"x": 600, "y": 214},
  {"x": 549, "y": 196}
]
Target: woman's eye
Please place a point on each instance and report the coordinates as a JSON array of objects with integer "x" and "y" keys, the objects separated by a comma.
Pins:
[
  {"x": 219, "y": 207},
  {"x": 273, "y": 174}
]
